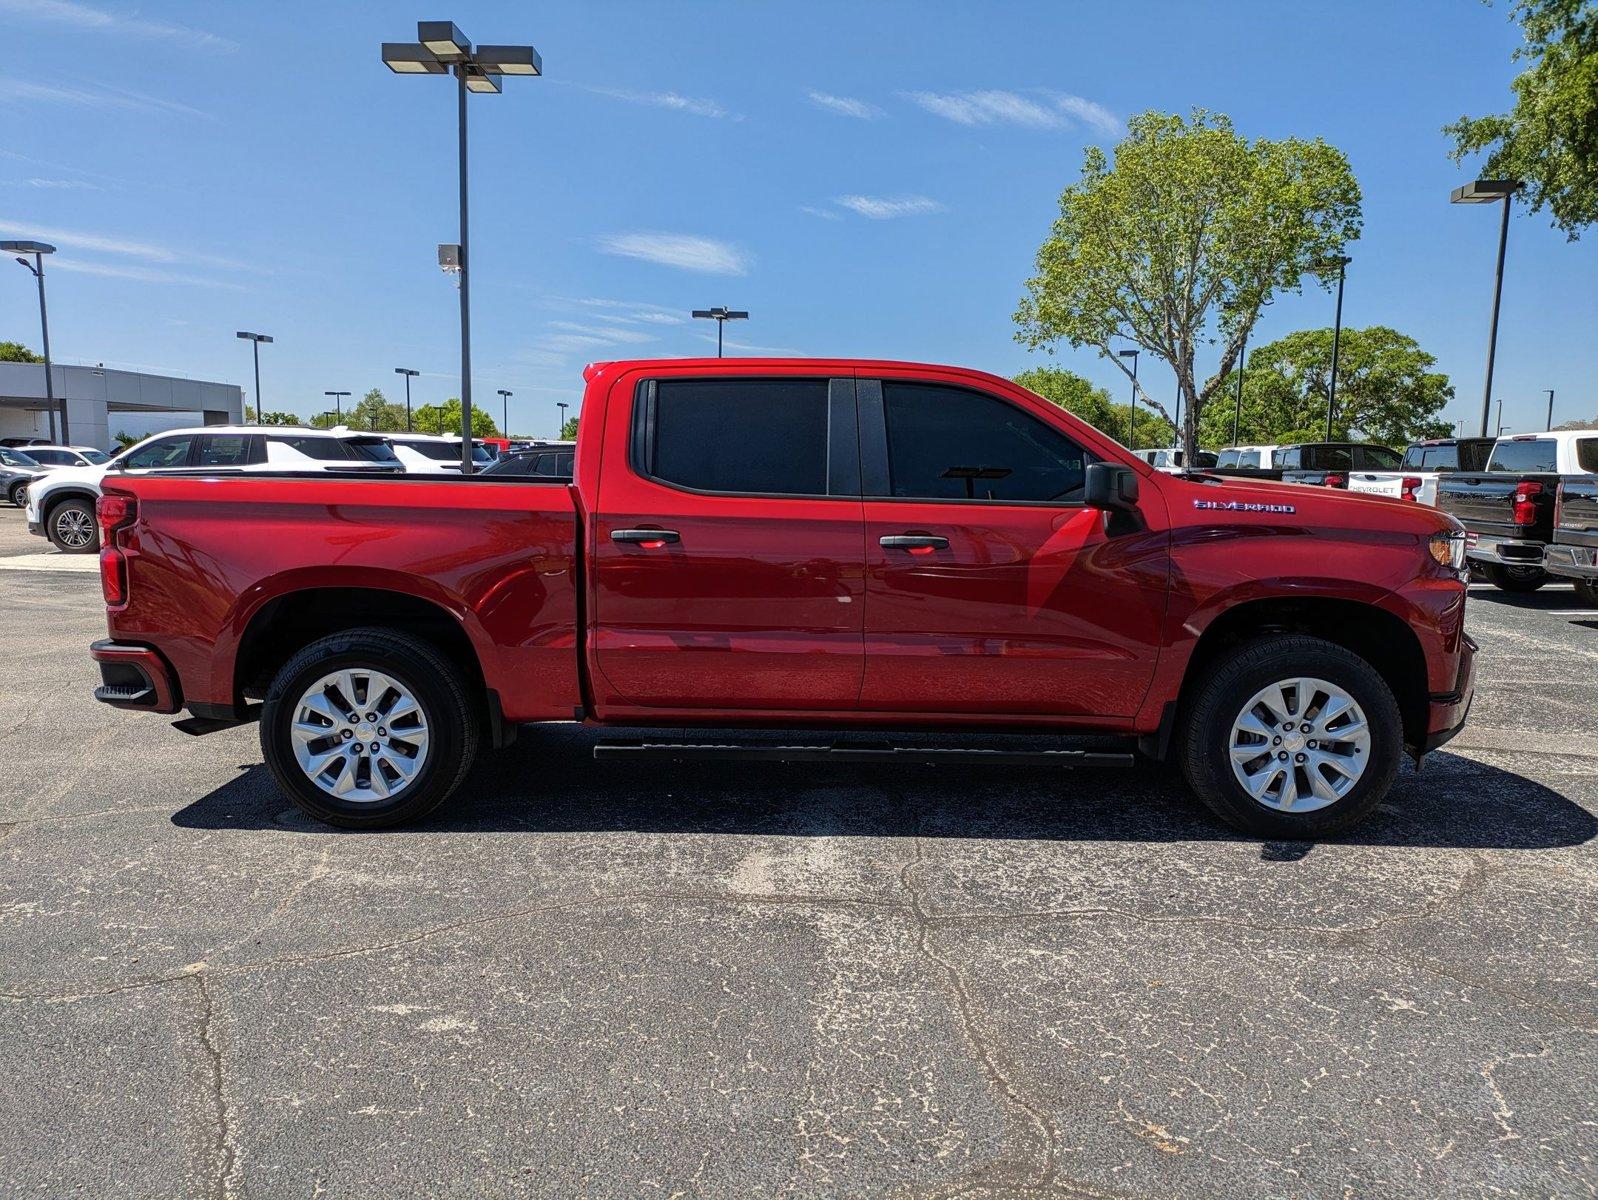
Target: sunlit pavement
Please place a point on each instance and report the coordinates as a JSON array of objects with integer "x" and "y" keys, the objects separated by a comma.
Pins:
[{"x": 754, "y": 980}]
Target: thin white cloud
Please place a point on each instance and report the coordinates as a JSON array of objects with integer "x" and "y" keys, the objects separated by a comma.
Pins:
[
  {"x": 686, "y": 251},
  {"x": 147, "y": 251},
  {"x": 698, "y": 106},
  {"x": 604, "y": 333},
  {"x": 26, "y": 91},
  {"x": 826, "y": 214},
  {"x": 65, "y": 185},
  {"x": 1038, "y": 110},
  {"x": 139, "y": 274},
  {"x": 87, "y": 19},
  {"x": 749, "y": 348},
  {"x": 845, "y": 106},
  {"x": 883, "y": 208}
]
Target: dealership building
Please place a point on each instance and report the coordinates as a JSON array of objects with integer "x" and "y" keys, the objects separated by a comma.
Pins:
[{"x": 102, "y": 402}]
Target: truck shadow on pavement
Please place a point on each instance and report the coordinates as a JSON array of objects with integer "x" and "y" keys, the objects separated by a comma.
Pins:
[{"x": 548, "y": 782}]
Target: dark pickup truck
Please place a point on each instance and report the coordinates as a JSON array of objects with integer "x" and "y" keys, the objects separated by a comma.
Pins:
[
  {"x": 1508, "y": 509},
  {"x": 1573, "y": 554},
  {"x": 1323, "y": 464}
]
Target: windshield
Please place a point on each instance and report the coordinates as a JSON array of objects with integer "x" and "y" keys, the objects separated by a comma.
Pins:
[
  {"x": 15, "y": 458},
  {"x": 97, "y": 457}
]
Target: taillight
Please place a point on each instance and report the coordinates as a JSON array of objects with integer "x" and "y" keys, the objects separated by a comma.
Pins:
[
  {"x": 1333, "y": 479},
  {"x": 115, "y": 513},
  {"x": 1525, "y": 502},
  {"x": 1409, "y": 488}
]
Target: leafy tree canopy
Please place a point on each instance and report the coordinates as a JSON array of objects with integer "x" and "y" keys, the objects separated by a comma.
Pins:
[
  {"x": 1183, "y": 241},
  {"x": 445, "y": 418},
  {"x": 270, "y": 418},
  {"x": 374, "y": 412},
  {"x": 568, "y": 431},
  {"x": 17, "y": 352},
  {"x": 1549, "y": 139},
  {"x": 1094, "y": 405},
  {"x": 1387, "y": 391}
]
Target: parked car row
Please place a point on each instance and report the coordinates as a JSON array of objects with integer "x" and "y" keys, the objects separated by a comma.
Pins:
[{"x": 59, "y": 485}]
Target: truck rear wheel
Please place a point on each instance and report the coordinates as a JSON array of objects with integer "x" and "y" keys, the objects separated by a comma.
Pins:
[
  {"x": 1508, "y": 578},
  {"x": 1291, "y": 737},
  {"x": 368, "y": 728}
]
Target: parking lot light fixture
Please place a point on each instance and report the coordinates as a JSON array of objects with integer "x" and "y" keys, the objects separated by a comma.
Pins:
[
  {"x": 255, "y": 348},
  {"x": 338, "y": 409},
  {"x": 36, "y": 267},
  {"x": 1131, "y": 416},
  {"x": 561, "y": 431},
  {"x": 1490, "y": 191},
  {"x": 1341, "y": 263},
  {"x": 720, "y": 316},
  {"x": 504, "y": 411},
  {"x": 409, "y": 375},
  {"x": 441, "y": 47}
]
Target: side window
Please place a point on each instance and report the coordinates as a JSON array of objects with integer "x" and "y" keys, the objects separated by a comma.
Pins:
[
  {"x": 1335, "y": 458},
  {"x": 229, "y": 450},
  {"x": 163, "y": 452},
  {"x": 326, "y": 449},
  {"x": 1587, "y": 454},
  {"x": 1378, "y": 458},
  {"x": 948, "y": 443},
  {"x": 1290, "y": 460},
  {"x": 739, "y": 435}
]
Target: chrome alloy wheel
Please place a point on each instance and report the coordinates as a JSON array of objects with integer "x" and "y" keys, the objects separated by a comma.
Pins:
[
  {"x": 74, "y": 527},
  {"x": 359, "y": 735},
  {"x": 1300, "y": 745}
]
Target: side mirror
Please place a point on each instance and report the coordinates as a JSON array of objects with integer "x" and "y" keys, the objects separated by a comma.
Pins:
[{"x": 1111, "y": 487}]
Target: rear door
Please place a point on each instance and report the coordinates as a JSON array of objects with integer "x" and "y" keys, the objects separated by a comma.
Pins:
[
  {"x": 990, "y": 587},
  {"x": 728, "y": 565}
]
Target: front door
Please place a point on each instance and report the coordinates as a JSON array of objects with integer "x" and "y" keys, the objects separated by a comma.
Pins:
[
  {"x": 728, "y": 556},
  {"x": 990, "y": 587}
]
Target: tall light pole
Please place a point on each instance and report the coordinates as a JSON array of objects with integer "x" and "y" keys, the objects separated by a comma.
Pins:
[
  {"x": 1486, "y": 191},
  {"x": 504, "y": 411},
  {"x": 255, "y": 340},
  {"x": 338, "y": 409},
  {"x": 563, "y": 406},
  {"x": 1550, "y": 409},
  {"x": 440, "y": 48},
  {"x": 1237, "y": 410},
  {"x": 409, "y": 375},
  {"x": 1131, "y": 416},
  {"x": 720, "y": 316},
  {"x": 1342, "y": 261},
  {"x": 39, "y": 250}
]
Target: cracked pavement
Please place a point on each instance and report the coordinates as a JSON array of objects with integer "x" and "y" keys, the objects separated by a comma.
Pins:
[{"x": 621, "y": 980}]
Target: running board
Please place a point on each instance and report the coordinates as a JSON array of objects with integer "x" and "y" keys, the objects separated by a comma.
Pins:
[{"x": 763, "y": 752}]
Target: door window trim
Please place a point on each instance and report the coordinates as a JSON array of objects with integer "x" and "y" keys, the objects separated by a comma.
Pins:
[
  {"x": 875, "y": 481},
  {"x": 843, "y": 444}
]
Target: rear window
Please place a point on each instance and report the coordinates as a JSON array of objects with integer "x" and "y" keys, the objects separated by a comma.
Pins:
[
  {"x": 371, "y": 450},
  {"x": 1525, "y": 458},
  {"x": 1378, "y": 458},
  {"x": 1239, "y": 458},
  {"x": 1587, "y": 454},
  {"x": 741, "y": 435}
]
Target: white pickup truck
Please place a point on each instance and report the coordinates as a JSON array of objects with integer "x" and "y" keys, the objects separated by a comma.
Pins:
[{"x": 1424, "y": 462}]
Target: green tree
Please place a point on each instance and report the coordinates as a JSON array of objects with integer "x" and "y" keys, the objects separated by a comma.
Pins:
[
  {"x": 568, "y": 431},
  {"x": 124, "y": 440},
  {"x": 1094, "y": 405},
  {"x": 1549, "y": 139},
  {"x": 269, "y": 418},
  {"x": 445, "y": 418},
  {"x": 1182, "y": 242},
  {"x": 17, "y": 352},
  {"x": 1387, "y": 391},
  {"x": 374, "y": 412}
]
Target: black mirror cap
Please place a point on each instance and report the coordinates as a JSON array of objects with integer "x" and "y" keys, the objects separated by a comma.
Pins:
[{"x": 1110, "y": 486}]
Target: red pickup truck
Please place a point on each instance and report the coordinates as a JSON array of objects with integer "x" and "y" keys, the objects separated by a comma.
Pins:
[{"x": 833, "y": 545}]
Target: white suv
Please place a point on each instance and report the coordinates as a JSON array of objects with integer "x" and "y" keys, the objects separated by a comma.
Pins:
[
  {"x": 434, "y": 454},
  {"x": 61, "y": 504}
]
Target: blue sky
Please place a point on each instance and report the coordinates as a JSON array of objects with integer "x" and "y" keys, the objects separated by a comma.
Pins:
[{"x": 866, "y": 178}]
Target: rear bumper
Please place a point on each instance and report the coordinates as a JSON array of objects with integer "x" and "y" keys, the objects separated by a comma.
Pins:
[
  {"x": 1571, "y": 562},
  {"x": 1449, "y": 710},
  {"x": 135, "y": 677},
  {"x": 1511, "y": 552}
]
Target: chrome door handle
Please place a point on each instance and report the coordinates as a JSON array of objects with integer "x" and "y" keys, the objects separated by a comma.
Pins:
[
  {"x": 913, "y": 541},
  {"x": 644, "y": 536}
]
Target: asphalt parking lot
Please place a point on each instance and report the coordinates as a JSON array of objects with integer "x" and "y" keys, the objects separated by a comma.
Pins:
[{"x": 622, "y": 980}]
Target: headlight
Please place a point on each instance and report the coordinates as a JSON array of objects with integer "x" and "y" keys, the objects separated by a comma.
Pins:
[{"x": 1448, "y": 548}]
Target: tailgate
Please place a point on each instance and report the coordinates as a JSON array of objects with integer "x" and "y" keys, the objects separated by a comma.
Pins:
[
  {"x": 1479, "y": 501},
  {"x": 1376, "y": 483},
  {"x": 1578, "y": 512}
]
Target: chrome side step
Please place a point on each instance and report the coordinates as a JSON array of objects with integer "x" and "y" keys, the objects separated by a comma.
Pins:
[{"x": 766, "y": 752}]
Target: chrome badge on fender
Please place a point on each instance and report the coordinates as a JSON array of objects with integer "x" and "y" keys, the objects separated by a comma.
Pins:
[{"x": 1244, "y": 506}]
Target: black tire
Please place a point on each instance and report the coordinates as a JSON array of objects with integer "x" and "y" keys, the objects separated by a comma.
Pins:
[
  {"x": 439, "y": 689},
  {"x": 18, "y": 495},
  {"x": 1587, "y": 592},
  {"x": 1516, "y": 579},
  {"x": 64, "y": 527},
  {"x": 1203, "y": 748}
]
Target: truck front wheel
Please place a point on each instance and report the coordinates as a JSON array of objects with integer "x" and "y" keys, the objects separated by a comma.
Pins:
[
  {"x": 1291, "y": 737},
  {"x": 368, "y": 728},
  {"x": 1507, "y": 578}
]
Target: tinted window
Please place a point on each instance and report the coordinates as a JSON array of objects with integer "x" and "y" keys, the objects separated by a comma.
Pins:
[
  {"x": 1206, "y": 458},
  {"x": 56, "y": 458},
  {"x": 947, "y": 443},
  {"x": 437, "y": 451},
  {"x": 163, "y": 452},
  {"x": 325, "y": 449},
  {"x": 15, "y": 458},
  {"x": 741, "y": 435},
  {"x": 1328, "y": 458},
  {"x": 1436, "y": 458},
  {"x": 1289, "y": 460},
  {"x": 513, "y": 464},
  {"x": 98, "y": 457},
  {"x": 1379, "y": 458},
  {"x": 371, "y": 450},
  {"x": 228, "y": 450},
  {"x": 1473, "y": 454},
  {"x": 1524, "y": 458},
  {"x": 1587, "y": 454}
]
